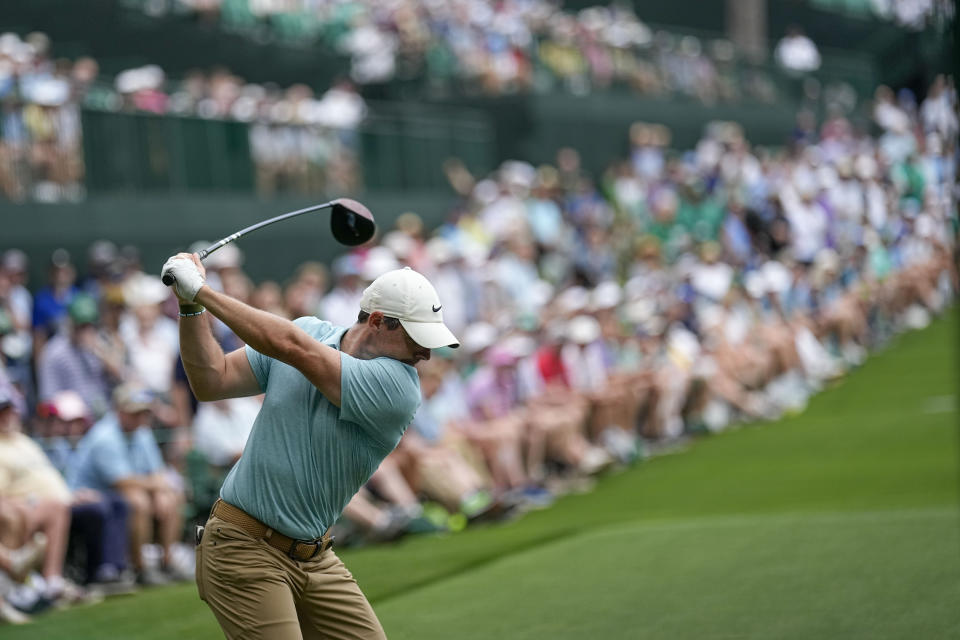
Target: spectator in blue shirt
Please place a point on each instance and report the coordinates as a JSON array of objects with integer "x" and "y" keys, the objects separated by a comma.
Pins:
[
  {"x": 736, "y": 236},
  {"x": 50, "y": 303},
  {"x": 119, "y": 454},
  {"x": 99, "y": 519}
]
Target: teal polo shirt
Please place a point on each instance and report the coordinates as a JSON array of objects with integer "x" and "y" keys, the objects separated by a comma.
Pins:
[{"x": 305, "y": 457}]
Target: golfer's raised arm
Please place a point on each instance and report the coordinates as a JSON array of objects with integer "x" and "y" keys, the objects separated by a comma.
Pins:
[
  {"x": 277, "y": 338},
  {"x": 214, "y": 376}
]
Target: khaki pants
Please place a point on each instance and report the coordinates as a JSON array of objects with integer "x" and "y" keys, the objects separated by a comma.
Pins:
[{"x": 257, "y": 592}]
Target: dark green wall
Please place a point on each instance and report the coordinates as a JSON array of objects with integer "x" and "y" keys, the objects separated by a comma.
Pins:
[
  {"x": 532, "y": 128},
  {"x": 599, "y": 127}
]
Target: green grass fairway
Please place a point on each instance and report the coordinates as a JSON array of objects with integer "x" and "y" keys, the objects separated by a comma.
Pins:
[
  {"x": 864, "y": 575},
  {"x": 843, "y": 522}
]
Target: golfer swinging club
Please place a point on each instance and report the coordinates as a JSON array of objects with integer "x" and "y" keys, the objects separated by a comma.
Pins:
[{"x": 337, "y": 401}]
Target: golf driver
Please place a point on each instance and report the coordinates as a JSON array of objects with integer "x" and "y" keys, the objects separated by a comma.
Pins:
[{"x": 350, "y": 222}]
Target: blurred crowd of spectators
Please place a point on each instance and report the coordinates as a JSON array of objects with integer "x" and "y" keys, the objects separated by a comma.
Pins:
[
  {"x": 300, "y": 142},
  {"x": 81, "y": 475},
  {"x": 910, "y": 13},
  {"x": 527, "y": 45},
  {"x": 307, "y": 142},
  {"x": 520, "y": 45},
  {"x": 682, "y": 292},
  {"x": 501, "y": 48},
  {"x": 40, "y": 149},
  {"x": 913, "y": 14}
]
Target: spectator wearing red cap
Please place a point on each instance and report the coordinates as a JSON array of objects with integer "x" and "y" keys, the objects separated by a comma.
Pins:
[{"x": 98, "y": 519}]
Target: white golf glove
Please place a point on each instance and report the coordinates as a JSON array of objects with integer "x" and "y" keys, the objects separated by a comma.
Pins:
[{"x": 186, "y": 275}]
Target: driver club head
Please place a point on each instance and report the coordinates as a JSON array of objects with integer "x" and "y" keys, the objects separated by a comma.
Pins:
[{"x": 352, "y": 223}]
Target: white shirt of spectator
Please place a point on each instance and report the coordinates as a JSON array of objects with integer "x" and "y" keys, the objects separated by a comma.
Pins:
[
  {"x": 152, "y": 355},
  {"x": 683, "y": 348},
  {"x": 221, "y": 429},
  {"x": 373, "y": 54},
  {"x": 529, "y": 380},
  {"x": 712, "y": 280},
  {"x": 937, "y": 114},
  {"x": 776, "y": 277},
  {"x": 585, "y": 366},
  {"x": 808, "y": 220},
  {"x": 876, "y": 201},
  {"x": 808, "y": 229},
  {"x": 737, "y": 324},
  {"x": 890, "y": 117},
  {"x": 797, "y": 53},
  {"x": 629, "y": 193},
  {"x": 912, "y": 13},
  {"x": 341, "y": 109},
  {"x": 847, "y": 198},
  {"x": 21, "y": 308},
  {"x": 340, "y": 306},
  {"x": 505, "y": 216}
]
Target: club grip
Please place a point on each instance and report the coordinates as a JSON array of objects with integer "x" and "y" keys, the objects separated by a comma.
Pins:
[{"x": 168, "y": 279}]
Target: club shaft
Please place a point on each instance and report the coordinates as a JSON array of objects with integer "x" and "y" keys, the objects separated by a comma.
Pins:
[
  {"x": 203, "y": 253},
  {"x": 234, "y": 236}
]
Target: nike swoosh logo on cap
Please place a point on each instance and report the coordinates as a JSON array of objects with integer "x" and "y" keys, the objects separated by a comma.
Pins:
[{"x": 437, "y": 308}]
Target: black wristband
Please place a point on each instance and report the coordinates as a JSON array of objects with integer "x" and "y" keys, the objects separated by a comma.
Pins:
[{"x": 188, "y": 310}]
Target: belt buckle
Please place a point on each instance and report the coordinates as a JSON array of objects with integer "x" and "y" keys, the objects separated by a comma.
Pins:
[{"x": 291, "y": 552}]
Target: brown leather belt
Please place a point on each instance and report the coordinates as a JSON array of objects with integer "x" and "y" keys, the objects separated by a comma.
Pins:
[{"x": 296, "y": 549}]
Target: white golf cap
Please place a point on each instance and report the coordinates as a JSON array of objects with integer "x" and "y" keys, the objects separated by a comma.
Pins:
[{"x": 409, "y": 297}]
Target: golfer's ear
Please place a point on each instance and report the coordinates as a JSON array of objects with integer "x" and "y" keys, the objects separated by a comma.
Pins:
[{"x": 375, "y": 319}]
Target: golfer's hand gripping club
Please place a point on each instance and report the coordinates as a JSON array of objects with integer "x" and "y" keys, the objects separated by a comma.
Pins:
[
  {"x": 185, "y": 273},
  {"x": 169, "y": 278}
]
